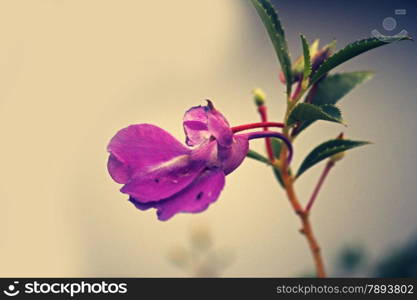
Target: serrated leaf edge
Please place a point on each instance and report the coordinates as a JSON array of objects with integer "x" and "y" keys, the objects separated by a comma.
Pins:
[
  {"x": 359, "y": 143},
  {"x": 307, "y": 57},
  {"x": 314, "y": 76},
  {"x": 332, "y": 119},
  {"x": 283, "y": 53}
]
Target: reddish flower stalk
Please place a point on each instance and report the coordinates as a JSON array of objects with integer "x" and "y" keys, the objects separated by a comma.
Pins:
[
  {"x": 323, "y": 176},
  {"x": 262, "y": 109},
  {"x": 306, "y": 228},
  {"x": 330, "y": 164},
  {"x": 263, "y": 125}
]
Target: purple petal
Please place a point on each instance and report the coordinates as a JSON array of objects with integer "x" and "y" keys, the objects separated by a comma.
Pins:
[
  {"x": 164, "y": 180},
  {"x": 138, "y": 147},
  {"x": 202, "y": 122},
  {"x": 320, "y": 57},
  {"x": 208, "y": 153},
  {"x": 168, "y": 178},
  {"x": 219, "y": 128},
  {"x": 195, "y": 125},
  {"x": 143, "y": 206},
  {"x": 193, "y": 199},
  {"x": 118, "y": 171},
  {"x": 233, "y": 156}
]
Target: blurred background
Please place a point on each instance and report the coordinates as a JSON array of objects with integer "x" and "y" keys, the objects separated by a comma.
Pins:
[{"x": 73, "y": 72}]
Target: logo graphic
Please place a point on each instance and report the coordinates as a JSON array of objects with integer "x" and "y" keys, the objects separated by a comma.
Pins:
[
  {"x": 12, "y": 291},
  {"x": 389, "y": 24}
]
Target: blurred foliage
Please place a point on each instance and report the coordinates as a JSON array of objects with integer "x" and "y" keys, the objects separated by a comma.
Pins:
[
  {"x": 351, "y": 259},
  {"x": 399, "y": 262},
  {"x": 200, "y": 258},
  {"x": 402, "y": 262}
]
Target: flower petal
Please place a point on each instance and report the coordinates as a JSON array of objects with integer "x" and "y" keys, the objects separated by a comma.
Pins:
[
  {"x": 233, "y": 156},
  {"x": 219, "y": 128},
  {"x": 139, "y": 147},
  {"x": 193, "y": 199},
  {"x": 168, "y": 178},
  {"x": 195, "y": 125},
  {"x": 118, "y": 171},
  {"x": 143, "y": 206},
  {"x": 207, "y": 151},
  {"x": 164, "y": 180},
  {"x": 202, "y": 122}
]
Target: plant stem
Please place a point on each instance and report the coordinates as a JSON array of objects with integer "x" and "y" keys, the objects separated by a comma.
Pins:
[
  {"x": 316, "y": 191},
  {"x": 264, "y": 117},
  {"x": 263, "y": 125},
  {"x": 288, "y": 180},
  {"x": 306, "y": 228}
]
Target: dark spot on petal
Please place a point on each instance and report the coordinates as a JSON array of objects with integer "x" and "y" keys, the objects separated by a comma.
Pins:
[
  {"x": 199, "y": 196},
  {"x": 156, "y": 180}
]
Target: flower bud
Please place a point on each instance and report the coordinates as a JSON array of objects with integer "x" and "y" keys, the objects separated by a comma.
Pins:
[
  {"x": 259, "y": 97},
  {"x": 317, "y": 58},
  {"x": 322, "y": 55}
]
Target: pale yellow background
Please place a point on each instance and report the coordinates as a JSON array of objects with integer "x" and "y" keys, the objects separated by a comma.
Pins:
[{"x": 72, "y": 73}]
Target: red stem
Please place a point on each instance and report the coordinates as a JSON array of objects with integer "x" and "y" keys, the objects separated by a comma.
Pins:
[
  {"x": 263, "y": 125},
  {"x": 268, "y": 145},
  {"x": 323, "y": 176}
]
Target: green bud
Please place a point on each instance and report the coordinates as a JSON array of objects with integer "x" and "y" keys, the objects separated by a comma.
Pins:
[{"x": 259, "y": 96}]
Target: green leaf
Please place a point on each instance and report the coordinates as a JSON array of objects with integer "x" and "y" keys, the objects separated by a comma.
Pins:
[
  {"x": 350, "y": 51},
  {"x": 277, "y": 174},
  {"x": 307, "y": 58},
  {"x": 334, "y": 112},
  {"x": 333, "y": 87},
  {"x": 329, "y": 109},
  {"x": 307, "y": 112},
  {"x": 298, "y": 64},
  {"x": 326, "y": 150},
  {"x": 276, "y": 33},
  {"x": 276, "y": 146},
  {"x": 256, "y": 156}
]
